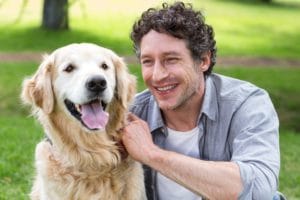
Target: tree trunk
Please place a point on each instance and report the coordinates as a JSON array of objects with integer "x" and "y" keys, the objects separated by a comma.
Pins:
[
  {"x": 55, "y": 14},
  {"x": 267, "y": 1}
]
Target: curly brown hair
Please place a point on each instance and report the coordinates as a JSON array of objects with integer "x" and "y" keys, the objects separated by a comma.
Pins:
[{"x": 180, "y": 21}]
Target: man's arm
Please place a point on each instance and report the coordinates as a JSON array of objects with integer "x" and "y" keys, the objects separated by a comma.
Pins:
[
  {"x": 213, "y": 180},
  {"x": 255, "y": 146}
]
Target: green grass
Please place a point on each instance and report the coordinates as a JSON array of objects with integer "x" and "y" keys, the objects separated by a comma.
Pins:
[
  {"x": 242, "y": 29},
  {"x": 18, "y": 136},
  {"x": 19, "y": 133},
  {"x": 30, "y": 37},
  {"x": 11, "y": 78},
  {"x": 289, "y": 179},
  {"x": 254, "y": 29}
]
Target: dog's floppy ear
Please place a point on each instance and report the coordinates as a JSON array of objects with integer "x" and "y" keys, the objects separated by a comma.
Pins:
[
  {"x": 125, "y": 87},
  {"x": 37, "y": 90}
]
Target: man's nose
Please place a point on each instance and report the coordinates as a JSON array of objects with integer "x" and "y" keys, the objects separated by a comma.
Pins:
[{"x": 159, "y": 72}]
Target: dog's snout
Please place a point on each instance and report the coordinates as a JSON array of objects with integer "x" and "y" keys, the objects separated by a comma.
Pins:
[{"x": 96, "y": 84}]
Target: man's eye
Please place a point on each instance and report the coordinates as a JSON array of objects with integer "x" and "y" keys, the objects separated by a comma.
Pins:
[
  {"x": 146, "y": 62},
  {"x": 171, "y": 60}
]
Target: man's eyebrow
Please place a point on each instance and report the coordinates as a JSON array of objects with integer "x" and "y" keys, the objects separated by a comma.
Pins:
[
  {"x": 168, "y": 53},
  {"x": 144, "y": 56},
  {"x": 171, "y": 53}
]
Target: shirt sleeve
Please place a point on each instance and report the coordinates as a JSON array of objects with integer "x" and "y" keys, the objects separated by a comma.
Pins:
[{"x": 255, "y": 147}]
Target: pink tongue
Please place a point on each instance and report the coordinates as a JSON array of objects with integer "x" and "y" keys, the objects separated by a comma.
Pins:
[{"x": 93, "y": 115}]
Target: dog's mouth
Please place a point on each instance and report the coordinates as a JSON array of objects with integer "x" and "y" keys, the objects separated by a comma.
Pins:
[{"x": 92, "y": 114}]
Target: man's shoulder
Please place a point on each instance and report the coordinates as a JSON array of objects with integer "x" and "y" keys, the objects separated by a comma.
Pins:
[
  {"x": 142, "y": 98},
  {"x": 229, "y": 88},
  {"x": 141, "y": 103}
]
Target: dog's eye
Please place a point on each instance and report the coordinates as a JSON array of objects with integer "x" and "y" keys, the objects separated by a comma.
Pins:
[
  {"x": 104, "y": 66},
  {"x": 69, "y": 68}
]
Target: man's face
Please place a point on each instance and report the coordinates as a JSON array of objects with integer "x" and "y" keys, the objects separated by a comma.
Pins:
[{"x": 169, "y": 71}]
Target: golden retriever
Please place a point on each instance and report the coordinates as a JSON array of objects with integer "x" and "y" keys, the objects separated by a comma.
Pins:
[{"x": 80, "y": 95}]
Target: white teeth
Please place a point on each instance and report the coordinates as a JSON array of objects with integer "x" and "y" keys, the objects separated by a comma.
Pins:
[
  {"x": 78, "y": 107},
  {"x": 166, "y": 88}
]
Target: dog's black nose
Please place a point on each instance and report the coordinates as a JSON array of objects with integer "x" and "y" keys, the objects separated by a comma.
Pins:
[{"x": 96, "y": 84}]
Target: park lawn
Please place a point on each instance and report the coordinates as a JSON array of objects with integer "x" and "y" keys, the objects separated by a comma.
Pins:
[{"x": 18, "y": 136}]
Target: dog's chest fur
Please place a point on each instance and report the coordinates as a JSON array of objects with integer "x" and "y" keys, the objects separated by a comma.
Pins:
[{"x": 88, "y": 181}]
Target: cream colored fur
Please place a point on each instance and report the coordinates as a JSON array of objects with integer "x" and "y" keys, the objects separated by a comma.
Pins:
[{"x": 81, "y": 164}]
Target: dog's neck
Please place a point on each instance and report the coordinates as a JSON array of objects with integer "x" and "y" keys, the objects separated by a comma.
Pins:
[{"x": 84, "y": 149}]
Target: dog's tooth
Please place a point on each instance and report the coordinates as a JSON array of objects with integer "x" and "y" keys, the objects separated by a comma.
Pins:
[{"x": 78, "y": 107}]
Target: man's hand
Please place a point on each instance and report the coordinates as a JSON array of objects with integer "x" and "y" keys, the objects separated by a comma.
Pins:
[{"x": 137, "y": 139}]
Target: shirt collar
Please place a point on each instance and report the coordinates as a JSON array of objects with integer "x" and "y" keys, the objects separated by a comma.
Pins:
[
  {"x": 154, "y": 115},
  {"x": 210, "y": 102}
]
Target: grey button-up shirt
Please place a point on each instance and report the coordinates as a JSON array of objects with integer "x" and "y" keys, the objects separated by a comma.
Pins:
[{"x": 237, "y": 123}]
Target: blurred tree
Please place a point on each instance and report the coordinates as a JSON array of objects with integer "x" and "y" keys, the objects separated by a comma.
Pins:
[
  {"x": 55, "y": 14},
  {"x": 252, "y": 1}
]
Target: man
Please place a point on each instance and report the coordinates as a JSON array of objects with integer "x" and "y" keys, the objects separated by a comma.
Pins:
[{"x": 199, "y": 134}]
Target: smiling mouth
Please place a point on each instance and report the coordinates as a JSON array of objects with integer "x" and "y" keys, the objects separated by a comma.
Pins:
[
  {"x": 92, "y": 114},
  {"x": 165, "y": 88}
]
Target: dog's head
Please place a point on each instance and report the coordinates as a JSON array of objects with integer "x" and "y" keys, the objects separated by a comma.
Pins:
[{"x": 89, "y": 83}]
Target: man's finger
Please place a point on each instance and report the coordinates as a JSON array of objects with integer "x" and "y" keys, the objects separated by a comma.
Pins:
[{"x": 132, "y": 117}]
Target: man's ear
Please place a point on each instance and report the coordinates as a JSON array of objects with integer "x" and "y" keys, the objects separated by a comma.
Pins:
[
  {"x": 205, "y": 61},
  {"x": 37, "y": 90}
]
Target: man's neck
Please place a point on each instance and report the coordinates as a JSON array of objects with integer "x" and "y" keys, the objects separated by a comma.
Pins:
[{"x": 184, "y": 118}]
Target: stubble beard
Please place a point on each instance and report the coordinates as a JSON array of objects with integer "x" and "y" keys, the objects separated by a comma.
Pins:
[{"x": 184, "y": 98}]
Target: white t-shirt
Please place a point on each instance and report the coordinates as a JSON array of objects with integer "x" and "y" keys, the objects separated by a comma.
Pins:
[{"x": 186, "y": 143}]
